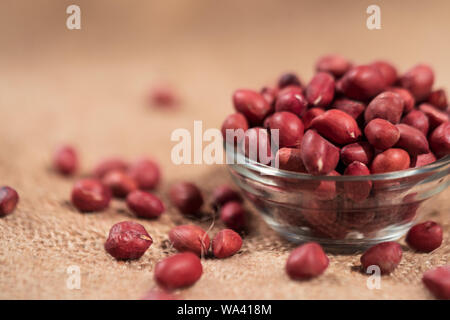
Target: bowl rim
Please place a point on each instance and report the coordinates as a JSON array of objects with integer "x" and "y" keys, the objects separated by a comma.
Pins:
[{"x": 243, "y": 161}]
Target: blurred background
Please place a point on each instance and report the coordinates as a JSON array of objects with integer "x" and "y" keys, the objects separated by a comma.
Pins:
[{"x": 88, "y": 87}]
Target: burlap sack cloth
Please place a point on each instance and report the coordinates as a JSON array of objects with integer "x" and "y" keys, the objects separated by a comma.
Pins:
[{"x": 87, "y": 88}]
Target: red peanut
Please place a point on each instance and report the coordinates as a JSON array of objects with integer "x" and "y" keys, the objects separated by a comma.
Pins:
[
  {"x": 418, "y": 120},
  {"x": 337, "y": 126},
  {"x": 252, "y": 105},
  {"x": 358, "y": 151},
  {"x": 223, "y": 194},
  {"x": 90, "y": 195},
  {"x": 290, "y": 159},
  {"x": 270, "y": 94},
  {"x": 233, "y": 215},
  {"x": 438, "y": 282},
  {"x": 178, "y": 271},
  {"x": 127, "y": 240},
  {"x": 419, "y": 81},
  {"x": 144, "y": 204},
  {"x": 65, "y": 160},
  {"x": 186, "y": 197},
  {"x": 8, "y": 200},
  {"x": 387, "y": 70},
  {"x": 119, "y": 183},
  {"x": 319, "y": 155},
  {"x": 438, "y": 98},
  {"x": 109, "y": 164},
  {"x": 425, "y": 237},
  {"x": 320, "y": 90},
  {"x": 226, "y": 243},
  {"x": 334, "y": 64},
  {"x": 353, "y": 108},
  {"x": 412, "y": 140},
  {"x": 386, "y": 256},
  {"x": 189, "y": 238},
  {"x": 387, "y": 105},
  {"x": 440, "y": 140},
  {"x": 362, "y": 82},
  {"x": 326, "y": 190},
  {"x": 390, "y": 160},
  {"x": 290, "y": 128},
  {"x": 355, "y": 190},
  {"x": 146, "y": 173},
  {"x": 291, "y": 100},
  {"x": 238, "y": 124},
  {"x": 307, "y": 261},
  {"x": 435, "y": 116},
  {"x": 288, "y": 79},
  {"x": 381, "y": 134}
]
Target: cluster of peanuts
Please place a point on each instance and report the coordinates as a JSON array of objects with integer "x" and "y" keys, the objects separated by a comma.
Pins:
[{"x": 351, "y": 120}]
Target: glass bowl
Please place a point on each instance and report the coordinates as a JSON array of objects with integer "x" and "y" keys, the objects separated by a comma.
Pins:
[{"x": 333, "y": 210}]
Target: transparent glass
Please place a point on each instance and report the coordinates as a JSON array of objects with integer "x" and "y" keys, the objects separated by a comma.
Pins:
[{"x": 334, "y": 210}]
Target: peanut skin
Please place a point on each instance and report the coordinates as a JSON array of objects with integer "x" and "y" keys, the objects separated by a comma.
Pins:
[
  {"x": 418, "y": 120},
  {"x": 435, "y": 116},
  {"x": 337, "y": 126},
  {"x": 291, "y": 100},
  {"x": 381, "y": 134},
  {"x": 419, "y": 81},
  {"x": 252, "y": 105},
  {"x": 320, "y": 90},
  {"x": 355, "y": 190},
  {"x": 408, "y": 99},
  {"x": 309, "y": 116},
  {"x": 358, "y": 151},
  {"x": 362, "y": 83},
  {"x": 290, "y": 159},
  {"x": 290, "y": 128},
  {"x": 387, "y": 105},
  {"x": 440, "y": 140},
  {"x": 387, "y": 70},
  {"x": 318, "y": 154}
]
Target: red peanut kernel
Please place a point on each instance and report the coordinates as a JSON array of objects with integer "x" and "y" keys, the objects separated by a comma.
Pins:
[
  {"x": 178, "y": 271},
  {"x": 127, "y": 240},
  {"x": 144, "y": 204},
  {"x": 233, "y": 215},
  {"x": 438, "y": 282},
  {"x": 8, "y": 200},
  {"x": 359, "y": 151},
  {"x": 438, "y": 98},
  {"x": 355, "y": 190},
  {"x": 119, "y": 183},
  {"x": 252, "y": 105},
  {"x": 387, "y": 105},
  {"x": 238, "y": 124},
  {"x": 326, "y": 190},
  {"x": 320, "y": 91},
  {"x": 307, "y": 261},
  {"x": 186, "y": 197},
  {"x": 386, "y": 256},
  {"x": 440, "y": 140},
  {"x": 163, "y": 95},
  {"x": 408, "y": 99},
  {"x": 353, "y": 108},
  {"x": 425, "y": 237},
  {"x": 65, "y": 160},
  {"x": 291, "y": 100},
  {"x": 334, "y": 64},
  {"x": 223, "y": 194},
  {"x": 418, "y": 120},
  {"x": 337, "y": 126},
  {"x": 381, "y": 134},
  {"x": 90, "y": 195},
  {"x": 290, "y": 159},
  {"x": 270, "y": 94},
  {"x": 435, "y": 116},
  {"x": 362, "y": 83},
  {"x": 387, "y": 70},
  {"x": 310, "y": 115},
  {"x": 319, "y": 155},
  {"x": 288, "y": 79},
  {"x": 189, "y": 238},
  {"x": 412, "y": 140},
  {"x": 390, "y": 160},
  {"x": 257, "y": 145},
  {"x": 109, "y": 164},
  {"x": 226, "y": 243},
  {"x": 419, "y": 81},
  {"x": 146, "y": 173},
  {"x": 290, "y": 128}
]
